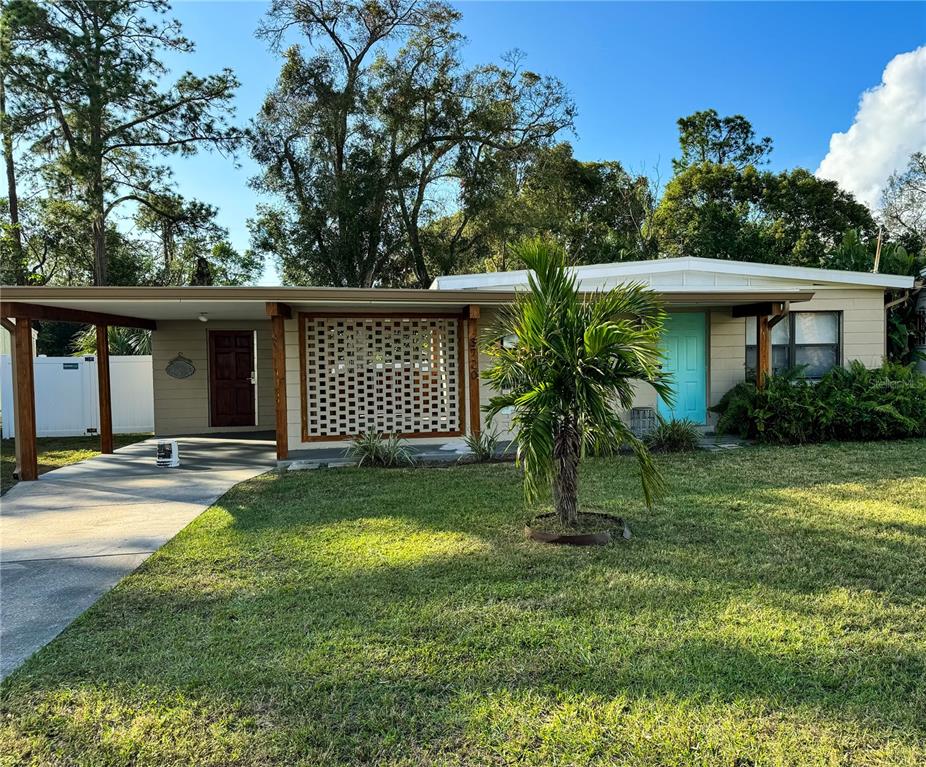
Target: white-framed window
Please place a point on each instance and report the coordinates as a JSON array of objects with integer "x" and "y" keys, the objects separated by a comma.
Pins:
[{"x": 808, "y": 339}]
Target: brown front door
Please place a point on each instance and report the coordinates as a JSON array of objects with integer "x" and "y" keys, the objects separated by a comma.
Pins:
[{"x": 231, "y": 381}]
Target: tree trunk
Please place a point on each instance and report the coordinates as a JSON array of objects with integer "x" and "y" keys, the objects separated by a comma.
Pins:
[
  {"x": 18, "y": 270},
  {"x": 98, "y": 233},
  {"x": 95, "y": 156},
  {"x": 566, "y": 448}
]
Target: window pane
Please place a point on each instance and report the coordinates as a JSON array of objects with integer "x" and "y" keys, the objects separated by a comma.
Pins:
[
  {"x": 818, "y": 359},
  {"x": 779, "y": 358},
  {"x": 780, "y": 332},
  {"x": 816, "y": 328}
]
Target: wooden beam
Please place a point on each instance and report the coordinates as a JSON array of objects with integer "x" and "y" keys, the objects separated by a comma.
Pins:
[
  {"x": 471, "y": 312},
  {"x": 776, "y": 318},
  {"x": 278, "y": 328},
  {"x": 761, "y": 309},
  {"x": 472, "y": 334},
  {"x": 61, "y": 314},
  {"x": 277, "y": 309},
  {"x": 24, "y": 398},
  {"x": 102, "y": 375},
  {"x": 763, "y": 351}
]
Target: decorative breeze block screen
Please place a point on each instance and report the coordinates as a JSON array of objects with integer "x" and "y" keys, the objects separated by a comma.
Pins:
[{"x": 397, "y": 375}]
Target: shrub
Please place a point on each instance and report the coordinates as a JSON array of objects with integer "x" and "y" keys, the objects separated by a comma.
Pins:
[
  {"x": 673, "y": 436},
  {"x": 374, "y": 449},
  {"x": 852, "y": 403},
  {"x": 888, "y": 402},
  {"x": 482, "y": 446}
]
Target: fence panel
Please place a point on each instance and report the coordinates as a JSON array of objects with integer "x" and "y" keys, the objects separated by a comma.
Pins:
[{"x": 67, "y": 395}]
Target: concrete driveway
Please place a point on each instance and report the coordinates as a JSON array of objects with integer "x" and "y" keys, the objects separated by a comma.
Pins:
[{"x": 68, "y": 538}]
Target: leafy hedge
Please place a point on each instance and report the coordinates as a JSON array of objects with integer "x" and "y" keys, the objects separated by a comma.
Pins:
[{"x": 852, "y": 403}]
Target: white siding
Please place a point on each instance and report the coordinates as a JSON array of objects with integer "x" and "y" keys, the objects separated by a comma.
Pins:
[
  {"x": 183, "y": 405},
  {"x": 727, "y": 354},
  {"x": 863, "y": 338}
]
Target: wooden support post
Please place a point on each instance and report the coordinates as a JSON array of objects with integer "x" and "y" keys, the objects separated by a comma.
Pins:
[
  {"x": 471, "y": 315},
  {"x": 105, "y": 389},
  {"x": 763, "y": 350},
  {"x": 24, "y": 385},
  {"x": 278, "y": 327},
  {"x": 10, "y": 327}
]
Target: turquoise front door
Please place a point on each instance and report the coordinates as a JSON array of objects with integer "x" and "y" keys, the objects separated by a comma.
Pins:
[{"x": 685, "y": 358}]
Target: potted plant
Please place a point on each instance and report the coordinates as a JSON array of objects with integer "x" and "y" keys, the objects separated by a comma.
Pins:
[{"x": 571, "y": 370}]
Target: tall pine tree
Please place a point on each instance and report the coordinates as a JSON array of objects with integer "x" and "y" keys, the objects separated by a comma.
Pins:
[{"x": 90, "y": 75}]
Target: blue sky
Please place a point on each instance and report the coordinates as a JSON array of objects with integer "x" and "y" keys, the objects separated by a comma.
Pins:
[{"x": 796, "y": 70}]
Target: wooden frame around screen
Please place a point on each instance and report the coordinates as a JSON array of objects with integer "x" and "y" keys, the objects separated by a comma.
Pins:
[{"x": 304, "y": 317}]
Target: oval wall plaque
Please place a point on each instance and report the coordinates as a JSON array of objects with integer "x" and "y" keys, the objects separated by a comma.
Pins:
[{"x": 180, "y": 367}]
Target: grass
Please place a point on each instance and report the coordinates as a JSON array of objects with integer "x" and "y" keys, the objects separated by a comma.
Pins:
[
  {"x": 55, "y": 452},
  {"x": 770, "y": 611}
]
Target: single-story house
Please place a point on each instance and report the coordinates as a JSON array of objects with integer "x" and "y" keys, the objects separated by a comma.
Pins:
[{"x": 319, "y": 365}]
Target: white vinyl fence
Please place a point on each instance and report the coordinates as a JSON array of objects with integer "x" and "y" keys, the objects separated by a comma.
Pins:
[{"x": 67, "y": 398}]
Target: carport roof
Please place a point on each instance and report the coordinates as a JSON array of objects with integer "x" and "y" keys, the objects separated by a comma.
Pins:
[{"x": 239, "y": 303}]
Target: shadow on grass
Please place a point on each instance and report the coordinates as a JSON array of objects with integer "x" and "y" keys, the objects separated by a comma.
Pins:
[{"x": 355, "y": 614}]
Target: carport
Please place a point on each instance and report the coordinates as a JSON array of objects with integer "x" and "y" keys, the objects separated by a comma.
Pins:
[{"x": 231, "y": 359}]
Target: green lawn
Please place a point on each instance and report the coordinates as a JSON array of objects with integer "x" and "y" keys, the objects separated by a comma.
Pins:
[
  {"x": 771, "y": 611},
  {"x": 55, "y": 452}
]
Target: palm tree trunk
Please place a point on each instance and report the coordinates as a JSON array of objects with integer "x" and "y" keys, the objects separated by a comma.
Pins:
[{"x": 566, "y": 450}]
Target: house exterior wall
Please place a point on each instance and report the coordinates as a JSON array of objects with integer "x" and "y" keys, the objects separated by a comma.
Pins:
[
  {"x": 863, "y": 339},
  {"x": 726, "y": 356},
  {"x": 864, "y": 335},
  {"x": 181, "y": 406}
]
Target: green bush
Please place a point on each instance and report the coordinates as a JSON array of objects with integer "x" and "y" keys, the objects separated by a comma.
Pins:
[
  {"x": 673, "y": 436},
  {"x": 374, "y": 449},
  {"x": 852, "y": 403}
]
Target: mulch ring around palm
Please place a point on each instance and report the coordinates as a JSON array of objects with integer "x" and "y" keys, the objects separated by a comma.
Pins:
[{"x": 592, "y": 529}]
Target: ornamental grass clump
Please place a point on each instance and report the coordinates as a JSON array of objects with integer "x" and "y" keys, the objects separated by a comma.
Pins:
[
  {"x": 371, "y": 448},
  {"x": 673, "y": 435},
  {"x": 483, "y": 446},
  {"x": 570, "y": 372}
]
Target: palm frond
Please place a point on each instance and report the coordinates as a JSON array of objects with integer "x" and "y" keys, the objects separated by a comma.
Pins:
[{"x": 576, "y": 361}]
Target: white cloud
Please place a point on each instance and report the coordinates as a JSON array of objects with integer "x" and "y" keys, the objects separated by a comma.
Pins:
[{"x": 889, "y": 126}]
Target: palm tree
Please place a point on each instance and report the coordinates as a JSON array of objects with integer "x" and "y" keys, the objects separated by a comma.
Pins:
[
  {"x": 122, "y": 341},
  {"x": 569, "y": 373}
]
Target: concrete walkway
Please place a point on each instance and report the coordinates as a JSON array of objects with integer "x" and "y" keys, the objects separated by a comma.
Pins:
[{"x": 68, "y": 538}]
